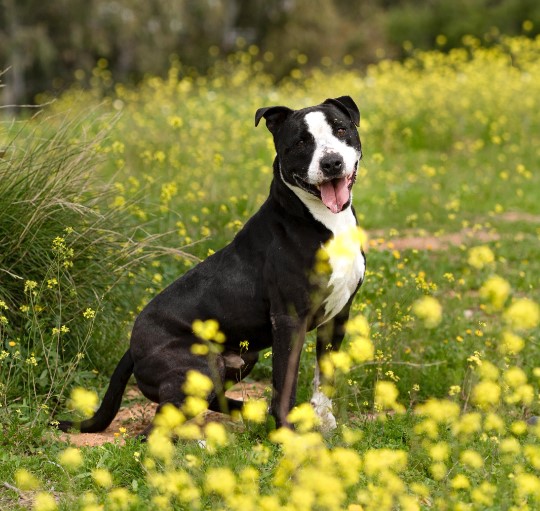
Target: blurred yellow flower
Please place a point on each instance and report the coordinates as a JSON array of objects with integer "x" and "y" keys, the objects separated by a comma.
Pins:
[
  {"x": 197, "y": 384},
  {"x": 25, "y": 480},
  {"x": 429, "y": 310},
  {"x": 44, "y": 502},
  {"x": 71, "y": 458},
  {"x": 84, "y": 401},
  {"x": 495, "y": 290},
  {"x": 480, "y": 256},
  {"x": 255, "y": 410},
  {"x": 102, "y": 477},
  {"x": 523, "y": 314}
]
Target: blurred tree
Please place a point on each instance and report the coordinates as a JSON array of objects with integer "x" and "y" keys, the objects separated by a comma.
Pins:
[{"x": 44, "y": 43}]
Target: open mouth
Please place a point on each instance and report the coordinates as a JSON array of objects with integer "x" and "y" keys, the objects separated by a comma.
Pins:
[{"x": 334, "y": 193}]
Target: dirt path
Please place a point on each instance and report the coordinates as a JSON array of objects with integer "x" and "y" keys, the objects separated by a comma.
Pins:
[{"x": 138, "y": 412}]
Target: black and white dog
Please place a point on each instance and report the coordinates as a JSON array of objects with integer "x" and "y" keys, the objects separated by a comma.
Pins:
[{"x": 260, "y": 287}]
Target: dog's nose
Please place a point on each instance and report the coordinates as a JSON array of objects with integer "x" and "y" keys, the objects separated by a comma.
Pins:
[{"x": 331, "y": 164}]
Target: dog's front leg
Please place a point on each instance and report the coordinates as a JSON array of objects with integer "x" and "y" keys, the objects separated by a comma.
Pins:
[
  {"x": 329, "y": 339},
  {"x": 288, "y": 338}
]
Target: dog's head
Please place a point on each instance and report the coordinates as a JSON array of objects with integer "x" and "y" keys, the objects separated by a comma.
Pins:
[{"x": 318, "y": 148}]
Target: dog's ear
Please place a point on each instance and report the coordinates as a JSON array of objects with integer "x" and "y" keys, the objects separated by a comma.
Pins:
[
  {"x": 274, "y": 115},
  {"x": 346, "y": 105}
]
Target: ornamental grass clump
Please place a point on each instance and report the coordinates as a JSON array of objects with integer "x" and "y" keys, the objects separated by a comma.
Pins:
[{"x": 65, "y": 252}]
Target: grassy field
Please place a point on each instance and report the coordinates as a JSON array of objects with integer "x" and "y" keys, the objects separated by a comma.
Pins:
[{"x": 434, "y": 418}]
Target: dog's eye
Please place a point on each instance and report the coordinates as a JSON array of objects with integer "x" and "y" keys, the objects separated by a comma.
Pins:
[
  {"x": 300, "y": 143},
  {"x": 341, "y": 132}
]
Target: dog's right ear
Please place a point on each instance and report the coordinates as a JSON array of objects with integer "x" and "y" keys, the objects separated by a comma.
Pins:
[{"x": 274, "y": 115}]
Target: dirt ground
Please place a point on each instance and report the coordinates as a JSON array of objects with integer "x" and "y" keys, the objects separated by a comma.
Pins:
[{"x": 138, "y": 412}]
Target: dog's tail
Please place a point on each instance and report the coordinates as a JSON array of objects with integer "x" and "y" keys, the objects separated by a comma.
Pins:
[{"x": 111, "y": 401}]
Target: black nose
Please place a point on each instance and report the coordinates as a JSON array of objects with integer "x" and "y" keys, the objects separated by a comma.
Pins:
[{"x": 331, "y": 164}]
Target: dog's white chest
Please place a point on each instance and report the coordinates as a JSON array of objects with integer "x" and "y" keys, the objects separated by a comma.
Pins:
[
  {"x": 346, "y": 272},
  {"x": 347, "y": 263}
]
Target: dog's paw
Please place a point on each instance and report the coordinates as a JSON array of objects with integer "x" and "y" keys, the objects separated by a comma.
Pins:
[{"x": 322, "y": 405}]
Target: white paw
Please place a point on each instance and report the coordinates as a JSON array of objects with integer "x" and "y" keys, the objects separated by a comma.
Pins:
[{"x": 322, "y": 405}]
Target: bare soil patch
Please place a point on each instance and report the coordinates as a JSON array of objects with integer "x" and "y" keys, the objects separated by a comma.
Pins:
[
  {"x": 428, "y": 241},
  {"x": 137, "y": 414}
]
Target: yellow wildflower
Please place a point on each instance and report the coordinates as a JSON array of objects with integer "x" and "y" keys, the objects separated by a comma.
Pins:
[
  {"x": 255, "y": 410},
  {"x": 44, "y": 502},
  {"x": 471, "y": 459},
  {"x": 71, "y": 458},
  {"x": 197, "y": 384},
  {"x": 523, "y": 314},
  {"x": 429, "y": 310},
  {"x": 304, "y": 417},
  {"x": 386, "y": 394},
  {"x": 102, "y": 477},
  {"x": 25, "y": 480},
  {"x": 84, "y": 401},
  {"x": 495, "y": 290},
  {"x": 481, "y": 256},
  {"x": 511, "y": 343}
]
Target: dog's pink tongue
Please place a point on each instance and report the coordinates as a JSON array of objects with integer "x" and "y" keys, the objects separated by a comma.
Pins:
[{"x": 335, "y": 194}]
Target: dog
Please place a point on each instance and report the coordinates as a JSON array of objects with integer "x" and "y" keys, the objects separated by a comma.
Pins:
[{"x": 260, "y": 288}]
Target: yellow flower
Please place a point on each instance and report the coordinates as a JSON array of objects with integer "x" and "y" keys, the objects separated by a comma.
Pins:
[
  {"x": 255, "y": 410},
  {"x": 511, "y": 343},
  {"x": 89, "y": 313},
  {"x": 386, "y": 394},
  {"x": 483, "y": 495},
  {"x": 84, "y": 401},
  {"x": 216, "y": 435},
  {"x": 44, "y": 502},
  {"x": 358, "y": 326},
  {"x": 440, "y": 410},
  {"x": 221, "y": 481},
  {"x": 71, "y": 458},
  {"x": 361, "y": 349},
  {"x": 197, "y": 384},
  {"x": 460, "y": 482},
  {"x": 493, "y": 422},
  {"x": 439, "y": 451},
  {"x": 102, "y": 477},
  {"x": 380, "y": 460},
  {"x": 510, "y": 445},
  {"x": 208, "y": 330},
  {"x": 523, "y": 314},
  {"x": 471, "y": 459},
  {"x": 527, "y": 484},
  {"x": 495, "y": 290},
  {"x": 169, "y": 418},
  {"x": 429, "y": 310},
  {"x": 481, "y": 256},
  {"x": 194, "y": 405},
  {"x": 515, "y": 377},
  {"x": 25, "y": 480},
  {"x": 304, "y": 417},
  {"x": 486, "y": 393},
  {"x": 120, "y": 499}
]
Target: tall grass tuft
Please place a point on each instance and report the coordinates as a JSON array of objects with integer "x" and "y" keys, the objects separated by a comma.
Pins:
[{"x": 68, "y": 264}]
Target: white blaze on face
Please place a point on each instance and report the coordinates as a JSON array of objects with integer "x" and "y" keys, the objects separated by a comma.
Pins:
[{"x": 326, "y": 142}]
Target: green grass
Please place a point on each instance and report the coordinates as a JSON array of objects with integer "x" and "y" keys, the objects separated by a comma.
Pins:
[{"x": 451, "y": 150}]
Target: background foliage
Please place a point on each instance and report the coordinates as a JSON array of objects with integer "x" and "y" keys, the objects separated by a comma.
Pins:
[{"x": 47, "y": 45}]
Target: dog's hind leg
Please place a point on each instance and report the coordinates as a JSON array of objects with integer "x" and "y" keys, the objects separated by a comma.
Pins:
[
  {"x": 111, "y": 401},
  {"x": 237, "y": 367}
]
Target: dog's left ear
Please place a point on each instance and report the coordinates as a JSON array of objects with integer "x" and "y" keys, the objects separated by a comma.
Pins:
[
  {"x": 274, "y": 115},
  {"x": 346, "y": 105}
]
